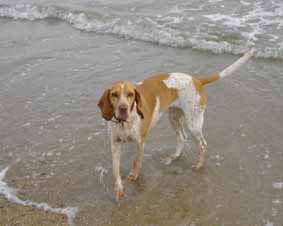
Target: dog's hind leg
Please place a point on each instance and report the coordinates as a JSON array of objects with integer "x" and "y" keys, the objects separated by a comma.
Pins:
[
  {"x": 195, "y": 123},
  {"x": 177, "y": 121}
]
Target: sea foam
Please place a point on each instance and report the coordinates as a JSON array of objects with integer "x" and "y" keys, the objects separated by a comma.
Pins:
[
  {"x": 11, "y": 195},
  {"x": 220, "y": 33}
]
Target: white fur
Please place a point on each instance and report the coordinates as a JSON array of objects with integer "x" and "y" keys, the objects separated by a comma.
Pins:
[
  {"x": 187, "y": 94},
  {"x": 156, "y": 113},
  {"x": 178, "y": 80},
  {"x": 229, "y": 70},
  {"x": 188, "y": 102},
  {"x": 122, "y": 100},
  {"x": 188, "y": 97},
  {"x": 122, "y": 132},
  {"x": 177, "y": 121}
]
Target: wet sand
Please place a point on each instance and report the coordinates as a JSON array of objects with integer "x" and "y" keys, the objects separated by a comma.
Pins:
[
  {"x": 12, "y": 214},
  {"x": 51, "y": 78}
]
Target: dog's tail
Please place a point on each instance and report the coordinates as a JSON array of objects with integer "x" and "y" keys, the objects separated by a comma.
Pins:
[{"x": 227, "y": 71}]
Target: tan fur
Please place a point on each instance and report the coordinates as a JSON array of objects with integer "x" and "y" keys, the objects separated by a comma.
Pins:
[
  {"x": 200, "y": 82},
  {"x": 105, "y": 106},
  {"x": 199, "y": 88},
  {"x": 150, "y": 89},
  {"x": 209, "y": 79}
]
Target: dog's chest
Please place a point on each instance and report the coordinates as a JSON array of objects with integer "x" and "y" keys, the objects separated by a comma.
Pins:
[{"x": 126, "y": 132}]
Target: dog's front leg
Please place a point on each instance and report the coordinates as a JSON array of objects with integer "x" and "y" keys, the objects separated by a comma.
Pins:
[
  {"x": 134, "y": 174},
  {"x": 116, "y": 155}
]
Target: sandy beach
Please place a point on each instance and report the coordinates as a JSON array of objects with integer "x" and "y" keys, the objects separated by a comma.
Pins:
[{"x": 51, "y": 78}]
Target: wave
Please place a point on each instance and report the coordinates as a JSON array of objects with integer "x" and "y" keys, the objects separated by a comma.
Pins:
[
  {"x": 10, "y": 194},
  {"x": 161, "y": 30}
]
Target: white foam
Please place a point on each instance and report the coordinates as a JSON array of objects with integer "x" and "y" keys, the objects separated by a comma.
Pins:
[
  {"x": 101, "y": 171},
  {"x": 277, "y": 185},
  {"x": 215, "y": 1},
  {"x": 72, "y": 148},
  {"x": 266, "y": 156},
  {"x": 269, "y": 223},
  {"x": 11, "y": 195},
  {"x": 245, "y": 3},
  {"x": 217, "y": 157},
  {"x": 274, "y": 212},
  {"x": 158, "y": 28},
  {"x": 97, "y": 133},
  {"x": 51, "y": 119},
  {"x": 28, "y": 124},
  {"x": 227, "y": 20},
  {"x": 276, "y": 201}
]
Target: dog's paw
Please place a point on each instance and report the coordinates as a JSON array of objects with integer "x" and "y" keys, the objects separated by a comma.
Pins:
[
  {"x": 119, "y": 194},
  {"x": 168, "y": 159},
  {"x": 119, "y": 190},
  {"x": 198, "y": 165},
  {"x": 132, "y": 177}
]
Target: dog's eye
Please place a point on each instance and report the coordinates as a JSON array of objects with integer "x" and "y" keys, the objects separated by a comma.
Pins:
[
  {"x": 130, "y": 94},
  {"x": 114, "y": 95}
]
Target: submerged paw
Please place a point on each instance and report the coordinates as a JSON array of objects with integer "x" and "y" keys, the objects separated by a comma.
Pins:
[{"x": 168, "y": 160}]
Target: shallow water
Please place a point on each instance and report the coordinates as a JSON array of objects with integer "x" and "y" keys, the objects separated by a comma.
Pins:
[{"x": 51, "y": 78}]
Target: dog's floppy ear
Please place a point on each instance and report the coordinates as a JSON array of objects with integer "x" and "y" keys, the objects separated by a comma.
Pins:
[
  {"x": 139, "y": 103},
  {"x": 105, "y": 106}
]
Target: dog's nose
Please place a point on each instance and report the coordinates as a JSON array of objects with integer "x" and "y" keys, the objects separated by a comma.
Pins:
[{"x": 123, "y": 108}]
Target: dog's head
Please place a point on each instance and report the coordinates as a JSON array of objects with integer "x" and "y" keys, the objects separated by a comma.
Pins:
[{"x": 119, "y": 101}]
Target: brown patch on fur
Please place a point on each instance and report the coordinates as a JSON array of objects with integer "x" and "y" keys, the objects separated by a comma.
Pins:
[
  {"x": 208, "y": 79},
  {"x": 199, "y": 88},
  {"x": 139, "y": 104},
  {"x": 149, "y": 90},
  {"x": 105, "y": 106},
  {"x": 200, "y": 82}
]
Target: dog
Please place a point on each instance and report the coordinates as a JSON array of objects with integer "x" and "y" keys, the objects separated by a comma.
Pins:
[{"x": 133, "y": 109}]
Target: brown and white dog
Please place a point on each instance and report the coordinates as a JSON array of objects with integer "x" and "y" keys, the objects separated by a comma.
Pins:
[{"x": 133, "y": 109}]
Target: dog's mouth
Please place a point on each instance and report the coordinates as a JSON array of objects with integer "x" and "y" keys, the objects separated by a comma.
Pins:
[{"x": 121, "y": 118}]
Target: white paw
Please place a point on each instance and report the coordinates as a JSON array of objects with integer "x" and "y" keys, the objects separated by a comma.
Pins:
[
  {"x": 168, "y": 160},
  {"x": 119, "y": 191}
]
